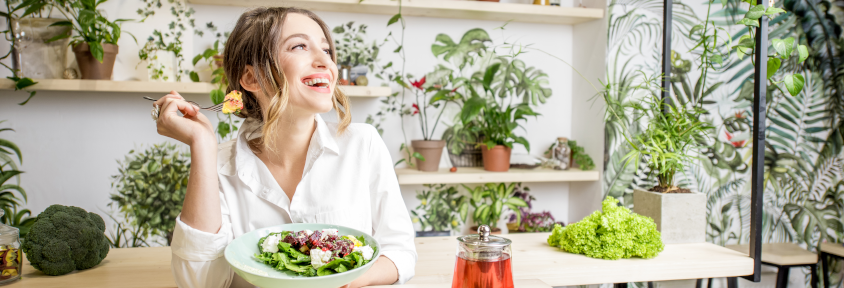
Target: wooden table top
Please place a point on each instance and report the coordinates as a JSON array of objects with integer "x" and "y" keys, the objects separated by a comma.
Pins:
[
  {"x": 533, "y": 258},
  {"x": 781, "y": 253},
  {"x": 535, "y": 265}
]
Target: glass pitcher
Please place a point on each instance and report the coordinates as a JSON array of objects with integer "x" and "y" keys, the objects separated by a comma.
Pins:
[{"x": 483, "y": 261}]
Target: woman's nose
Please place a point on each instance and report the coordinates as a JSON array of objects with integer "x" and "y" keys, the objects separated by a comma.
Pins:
[{"x": 321, "y": 60}]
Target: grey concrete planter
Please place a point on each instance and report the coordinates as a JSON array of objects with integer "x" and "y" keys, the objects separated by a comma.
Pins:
[{"x": 679, "y": 217}]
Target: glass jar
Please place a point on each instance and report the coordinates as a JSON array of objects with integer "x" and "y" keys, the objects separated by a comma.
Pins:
[
  {"x": 483, "y": 261},
  {"x": 10, "y": 253},
  {"x": 561, "y": 154}
]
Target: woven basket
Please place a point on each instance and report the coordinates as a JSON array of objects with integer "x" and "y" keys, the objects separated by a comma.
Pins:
[{"x": 470, "y": 157}]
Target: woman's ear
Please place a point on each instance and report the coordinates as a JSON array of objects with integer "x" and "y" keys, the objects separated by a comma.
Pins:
[{"x": 248, "y": 81}]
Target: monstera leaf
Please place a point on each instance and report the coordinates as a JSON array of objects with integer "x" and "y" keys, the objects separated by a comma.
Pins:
[{"x": 471, "y": 42}]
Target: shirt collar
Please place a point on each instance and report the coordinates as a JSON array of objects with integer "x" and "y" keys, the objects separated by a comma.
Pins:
[{"x": 323, "y": 139}]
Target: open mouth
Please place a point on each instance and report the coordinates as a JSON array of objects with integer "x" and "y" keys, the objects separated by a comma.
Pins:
[{"x": 316, "y": 82}]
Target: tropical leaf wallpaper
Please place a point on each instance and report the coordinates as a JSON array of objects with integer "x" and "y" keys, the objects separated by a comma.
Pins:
[{"x": 804, "y": 185}]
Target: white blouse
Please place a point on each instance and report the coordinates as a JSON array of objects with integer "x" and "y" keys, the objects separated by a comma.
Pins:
[{"x": 348, "y": 180}]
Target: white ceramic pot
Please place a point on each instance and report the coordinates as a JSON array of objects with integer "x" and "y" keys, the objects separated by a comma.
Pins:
[
  {"x": 161, "y": 67},
  {"x": 679, "y": 217}
]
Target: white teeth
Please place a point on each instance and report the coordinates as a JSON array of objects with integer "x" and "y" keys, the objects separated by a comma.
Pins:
[{"x": 315, "y": 81}]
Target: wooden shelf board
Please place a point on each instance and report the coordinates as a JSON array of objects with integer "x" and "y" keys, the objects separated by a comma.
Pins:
[
  {"x": 434, "y": 8},
  {"x": 533, "y": 258},
  {"x": 160, "y": 87},
  {"x": 479, "y": 175}
]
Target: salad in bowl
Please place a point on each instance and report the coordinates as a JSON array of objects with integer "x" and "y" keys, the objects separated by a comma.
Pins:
[{"x": 302, "y": 255}]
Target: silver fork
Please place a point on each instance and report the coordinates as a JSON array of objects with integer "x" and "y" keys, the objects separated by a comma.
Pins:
[{"x": 215, "y": 108}]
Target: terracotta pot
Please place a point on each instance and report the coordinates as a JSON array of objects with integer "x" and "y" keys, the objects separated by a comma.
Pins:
[
  {"x": 432, "y": 150},
  {"x": 89, "y": 67},
  {"x": 496, "y": 159}
]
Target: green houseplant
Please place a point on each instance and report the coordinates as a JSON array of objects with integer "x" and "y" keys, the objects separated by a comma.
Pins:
[
  {"x": 489, "y": 200},
  {"x": 353, "y": 53},
  {"x": 496, "y": 120},
  {"x": 441, "y": 210},
  {"x": 95, "y": 44},
  {"x": 150, "y": 188},
  {"x": 9, "y": 202},
  {"x": 472, "y": 66}
]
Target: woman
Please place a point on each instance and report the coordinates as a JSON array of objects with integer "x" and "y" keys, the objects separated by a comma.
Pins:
[{"x": 287, "y": 165}]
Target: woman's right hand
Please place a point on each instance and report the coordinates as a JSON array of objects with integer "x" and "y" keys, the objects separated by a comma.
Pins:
[{"x": 188, "y": 129}]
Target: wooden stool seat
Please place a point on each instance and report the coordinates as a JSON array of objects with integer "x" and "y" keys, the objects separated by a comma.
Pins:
[
  {"x": 833, "y": 248},
  {"x": 783, "y": 254}
]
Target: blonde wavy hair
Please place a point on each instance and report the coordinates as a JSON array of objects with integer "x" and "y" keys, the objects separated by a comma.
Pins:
[{"x": 248, "y": 45}]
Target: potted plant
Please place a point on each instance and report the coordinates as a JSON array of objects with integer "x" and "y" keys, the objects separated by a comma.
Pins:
[
  {"x": 34, "y": 52},
  {"x": 354, "y": 56},
  {"x": 667, "y": 145},
  {"x": 151, "y": 187},
  {"x": 440, "y": 210},
  {"x": 523, "y": 220},
  {"x": 488, "y": 202},
  {"x": 466, "y": 62},
  {"x": 429, "y": 98},
  {"x": 95, "y": 45},
  {"x": 495, "y": 119},
  {"x": 163, "y": 59}
]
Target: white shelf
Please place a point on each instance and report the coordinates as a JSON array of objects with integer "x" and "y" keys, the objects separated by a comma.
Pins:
[
  {"x": 160, "y": 87},
  {"x": 479, "y": 175},
  {"x": 433, "y": 8}
]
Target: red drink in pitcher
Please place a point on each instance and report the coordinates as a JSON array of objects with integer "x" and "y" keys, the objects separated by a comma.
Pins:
[{"x": 482, "y": 274}]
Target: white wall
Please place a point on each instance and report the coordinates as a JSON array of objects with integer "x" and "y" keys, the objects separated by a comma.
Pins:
[{"x": 70, "y": 141}]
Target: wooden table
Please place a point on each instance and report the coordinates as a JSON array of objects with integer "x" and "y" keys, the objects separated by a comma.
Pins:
[{"x": 535, "y": 265}]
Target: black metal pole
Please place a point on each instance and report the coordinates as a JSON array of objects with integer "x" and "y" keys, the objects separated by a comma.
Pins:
[
  {"x": 666, "y": 53},
  {"x": 757, "y": 186}
]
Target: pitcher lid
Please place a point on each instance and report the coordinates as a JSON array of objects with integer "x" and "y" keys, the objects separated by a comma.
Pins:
[{"x": 483, "y": 239}]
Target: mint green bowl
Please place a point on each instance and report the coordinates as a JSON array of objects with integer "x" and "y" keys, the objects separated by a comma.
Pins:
[{"x": 240, "y": 255}]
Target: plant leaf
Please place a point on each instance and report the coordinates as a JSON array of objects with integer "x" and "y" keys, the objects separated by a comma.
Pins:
[
  {"x": 794, "y": 84},
  {"x": 773, "y": 65}
]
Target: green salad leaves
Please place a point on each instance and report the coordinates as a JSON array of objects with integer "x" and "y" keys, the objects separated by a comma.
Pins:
[
  {"x": 294, "y": 254},
  {"x": 612, "y": 234}
]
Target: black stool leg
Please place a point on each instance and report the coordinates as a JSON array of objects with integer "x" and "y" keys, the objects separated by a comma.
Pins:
[
  {"x": 699, "y": 283},
  {"x": 619, "y": 285},
  {"x": 782, "y": 276},
  {"x": 650, "y": 284},
  {"x": 825, "y": 269},
  {"x": 815, "y": 279},
  {"x": 709, "y": 283},
  {"x": 732, "y": 282}
]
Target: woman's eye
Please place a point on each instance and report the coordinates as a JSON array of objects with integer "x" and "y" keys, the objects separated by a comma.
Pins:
[
  {"x": 327, "y": 51},
  {"x": 299, "y": 46}
]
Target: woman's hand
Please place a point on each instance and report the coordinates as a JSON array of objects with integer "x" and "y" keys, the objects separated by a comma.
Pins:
[{"x": 188, "y": 129}]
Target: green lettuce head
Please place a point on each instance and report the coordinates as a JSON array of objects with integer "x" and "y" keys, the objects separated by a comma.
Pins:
[{"x": 612, "y": 234}]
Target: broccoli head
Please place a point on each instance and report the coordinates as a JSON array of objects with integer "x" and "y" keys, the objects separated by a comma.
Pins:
[{"x": 66, "y": 238}]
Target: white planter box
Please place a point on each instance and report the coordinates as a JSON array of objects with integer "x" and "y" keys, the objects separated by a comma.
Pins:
[{"x": 679, "y": 217}]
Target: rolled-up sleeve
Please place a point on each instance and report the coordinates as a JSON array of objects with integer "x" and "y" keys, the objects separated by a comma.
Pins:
[
  {"x": 198, "y": 256},
  {"x": 390, "y": 219}
]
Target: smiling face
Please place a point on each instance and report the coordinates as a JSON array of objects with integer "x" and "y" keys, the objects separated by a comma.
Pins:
[{"x": 305, "y": 57}]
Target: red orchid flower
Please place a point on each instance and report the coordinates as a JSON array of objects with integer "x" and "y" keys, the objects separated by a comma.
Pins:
[
  {"x": 418, "y": 83},
  {"x": 455, "y": 89},
  {"x": 737, "y": 144},
  {"x": 416, "y": 107},
  {"x": 739, "y": 115}
]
